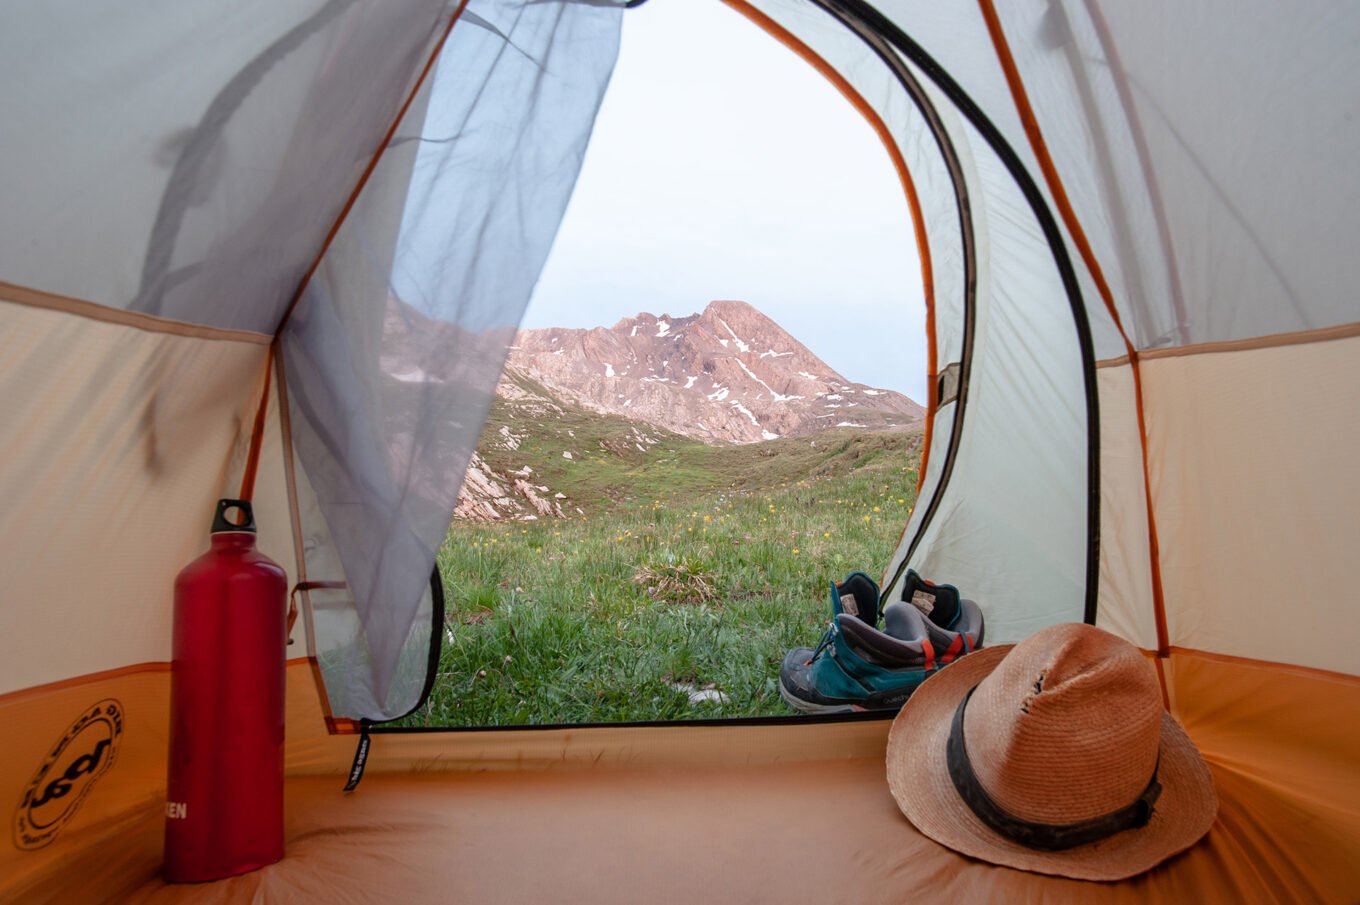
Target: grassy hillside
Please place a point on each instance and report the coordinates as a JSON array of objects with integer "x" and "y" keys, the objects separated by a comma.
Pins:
[{"x": 695, "y": 568}]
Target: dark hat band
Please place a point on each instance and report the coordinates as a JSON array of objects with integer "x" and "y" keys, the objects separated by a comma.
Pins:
[{"x": 1047, "y": 837}]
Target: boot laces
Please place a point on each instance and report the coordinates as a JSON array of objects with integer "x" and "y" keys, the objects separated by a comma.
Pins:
[{"x": 827, "y": 637}]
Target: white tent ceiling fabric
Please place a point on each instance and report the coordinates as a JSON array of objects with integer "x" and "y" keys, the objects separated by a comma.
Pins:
[
  {"x": 203, "y": 196},
  {"x": 1237, "y": 105}
]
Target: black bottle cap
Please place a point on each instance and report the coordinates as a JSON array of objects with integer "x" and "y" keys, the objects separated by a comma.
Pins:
[{"x": 233, "y": 515}]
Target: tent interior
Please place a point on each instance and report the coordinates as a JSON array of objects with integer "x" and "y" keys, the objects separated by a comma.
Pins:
[{"x": 279, "y": 250}]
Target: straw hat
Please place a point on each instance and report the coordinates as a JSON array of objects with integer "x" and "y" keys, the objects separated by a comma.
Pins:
[{"x": 1063, "y": 739}]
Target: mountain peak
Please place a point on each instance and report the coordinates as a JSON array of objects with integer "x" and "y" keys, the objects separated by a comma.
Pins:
[
  {"x": 730, "y": 306},
  {"x": 727, "y": 374}
]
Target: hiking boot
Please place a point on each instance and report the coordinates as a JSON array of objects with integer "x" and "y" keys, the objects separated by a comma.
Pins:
[
  {"x": 953, "y": 624},
  {"x": 856, "y": 667}
]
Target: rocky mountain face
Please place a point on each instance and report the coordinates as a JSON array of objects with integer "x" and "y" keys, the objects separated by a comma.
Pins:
[{"x": 726, "y": 375}]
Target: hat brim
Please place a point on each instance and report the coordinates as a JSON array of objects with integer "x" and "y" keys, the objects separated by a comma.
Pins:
[{"x": 918, "y": 776}]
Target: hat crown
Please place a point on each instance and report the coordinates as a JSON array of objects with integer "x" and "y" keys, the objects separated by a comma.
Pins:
[{"x": 1067, "y": 727}]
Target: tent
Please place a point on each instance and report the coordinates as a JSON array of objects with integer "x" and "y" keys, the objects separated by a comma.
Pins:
[{"x": 279, "y": 249}]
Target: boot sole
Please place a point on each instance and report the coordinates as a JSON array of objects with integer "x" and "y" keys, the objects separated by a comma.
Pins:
[
  {"x": 798, "y": 703},
  {"x": 875, "y": 704}
]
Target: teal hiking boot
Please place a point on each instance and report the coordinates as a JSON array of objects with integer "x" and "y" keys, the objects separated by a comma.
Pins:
[{"x": 856, "y": 667}]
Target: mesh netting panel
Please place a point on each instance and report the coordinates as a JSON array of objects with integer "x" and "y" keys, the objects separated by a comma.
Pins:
[{"x": 394, "y": 351}]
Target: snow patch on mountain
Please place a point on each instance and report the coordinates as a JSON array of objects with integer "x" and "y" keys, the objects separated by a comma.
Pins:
[
  {"x": 778, "y": 397},
  {"x": 741, "y": 346},
  {"x": 745, "y": 411}
]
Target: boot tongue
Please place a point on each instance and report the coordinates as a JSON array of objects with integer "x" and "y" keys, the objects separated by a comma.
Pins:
[
  {"x": 856, "y": 596},
  {"x": 903, "y": 621}
]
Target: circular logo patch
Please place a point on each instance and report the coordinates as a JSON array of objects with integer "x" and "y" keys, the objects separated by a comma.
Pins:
[{"x": 84, "y": 753}]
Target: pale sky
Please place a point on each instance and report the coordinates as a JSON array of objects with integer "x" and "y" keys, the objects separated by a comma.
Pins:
[{"x": 723, "y": 166}]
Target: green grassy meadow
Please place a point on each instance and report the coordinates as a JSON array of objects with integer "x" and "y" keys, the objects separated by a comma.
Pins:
[{"x": 678, "y": 592}]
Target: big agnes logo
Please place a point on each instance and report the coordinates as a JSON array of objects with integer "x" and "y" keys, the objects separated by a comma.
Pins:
[{"x": 84, "y": 753}]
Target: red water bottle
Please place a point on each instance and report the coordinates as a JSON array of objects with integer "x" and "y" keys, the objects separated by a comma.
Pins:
[{"x": 224, "y": 801}]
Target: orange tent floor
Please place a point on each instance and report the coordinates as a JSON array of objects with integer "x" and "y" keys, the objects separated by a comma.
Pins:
[
  {"x": 793, "y": 812},
  {"x": 808, "y": 832}
]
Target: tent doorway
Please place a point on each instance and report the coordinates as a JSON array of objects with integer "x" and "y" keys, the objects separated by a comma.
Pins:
[{"x": 646, "y": 567}]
